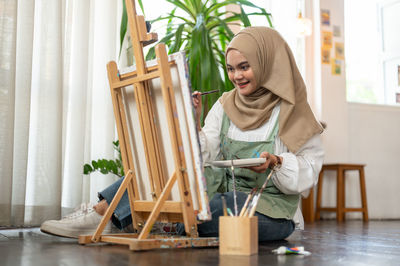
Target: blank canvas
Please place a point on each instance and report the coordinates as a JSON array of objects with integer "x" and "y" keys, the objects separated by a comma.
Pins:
[{"x": 190, "y": 139}]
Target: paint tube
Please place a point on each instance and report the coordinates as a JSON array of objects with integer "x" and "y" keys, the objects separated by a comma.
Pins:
[{"x": 294, "y": 250}]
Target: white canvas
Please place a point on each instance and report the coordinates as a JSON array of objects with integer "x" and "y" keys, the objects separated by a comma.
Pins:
[{"x": 190, "y": 139}]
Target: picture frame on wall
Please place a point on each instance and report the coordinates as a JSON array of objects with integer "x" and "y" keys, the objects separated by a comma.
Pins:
[
  {"x": 327, "y": 39},
  {"x": 325, "y": 55},
  {"x": 325, "y": 17},
  {"x": 339, "y": 50}
]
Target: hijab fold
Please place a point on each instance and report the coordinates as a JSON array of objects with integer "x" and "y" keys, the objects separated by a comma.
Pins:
[{"x": 278, "y": 80}]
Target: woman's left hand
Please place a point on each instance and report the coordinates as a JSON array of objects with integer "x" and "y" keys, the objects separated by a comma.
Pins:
[{"x": 270, "y": 162}]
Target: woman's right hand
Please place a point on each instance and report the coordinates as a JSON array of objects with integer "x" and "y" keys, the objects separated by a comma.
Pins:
[
  {"x": 197, "y": 102},
  {"x": 270, "y": 162}
]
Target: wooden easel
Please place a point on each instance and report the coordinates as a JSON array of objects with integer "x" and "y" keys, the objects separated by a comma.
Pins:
[{"x": 145, "y": 213}]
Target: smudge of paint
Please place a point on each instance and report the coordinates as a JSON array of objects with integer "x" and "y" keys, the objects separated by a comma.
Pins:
[{"x": 256, "y": 154}]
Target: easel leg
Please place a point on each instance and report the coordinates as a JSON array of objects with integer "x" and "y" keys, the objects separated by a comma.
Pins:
[
  {"x": 176, "y": 139},
  {"x": 120, "y": 120},
  {"x": 111, "y": 208}
]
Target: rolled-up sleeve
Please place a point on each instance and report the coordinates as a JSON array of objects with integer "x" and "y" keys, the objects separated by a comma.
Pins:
[{"x": 299, "y": 172}]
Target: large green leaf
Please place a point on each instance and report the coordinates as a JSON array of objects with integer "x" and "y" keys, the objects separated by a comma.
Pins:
[
  {"x": 124, "y": 26},
  {"x": 178, "y": 40},
  {"x": 244, "y": 18},
  {"x": 141, "y": 7}
]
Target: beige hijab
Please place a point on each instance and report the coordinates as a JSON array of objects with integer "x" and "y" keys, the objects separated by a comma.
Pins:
[{"x": 279, "y": 80}]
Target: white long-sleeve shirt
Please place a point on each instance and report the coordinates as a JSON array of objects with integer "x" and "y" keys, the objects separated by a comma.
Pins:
[{"x": 299, "y": 171}]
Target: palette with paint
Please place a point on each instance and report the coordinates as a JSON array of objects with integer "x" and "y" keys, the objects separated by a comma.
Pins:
[{"x": 238, "y": 162}]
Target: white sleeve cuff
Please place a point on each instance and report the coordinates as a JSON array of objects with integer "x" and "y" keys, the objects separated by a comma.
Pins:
[
  {"x": 286, "y": 178},
  {"x": 299, "y": 172}
]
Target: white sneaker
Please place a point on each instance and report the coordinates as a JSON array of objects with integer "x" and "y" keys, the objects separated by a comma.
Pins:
[{"x": 83, "y": 221}]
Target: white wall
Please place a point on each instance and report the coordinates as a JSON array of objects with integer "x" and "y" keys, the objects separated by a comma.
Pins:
[
  {"x": 374, "y": 139},
  {"x": 359, "y": 133}
]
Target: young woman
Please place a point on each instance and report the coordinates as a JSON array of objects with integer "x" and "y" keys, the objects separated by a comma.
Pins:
[{"x": 265, "y": 115}]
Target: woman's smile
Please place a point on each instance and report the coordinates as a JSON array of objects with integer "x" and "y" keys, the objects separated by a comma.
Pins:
[{"x": 242, "y": 84}]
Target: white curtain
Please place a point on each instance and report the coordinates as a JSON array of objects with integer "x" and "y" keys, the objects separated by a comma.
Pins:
[{"x": 55, "y": 105}]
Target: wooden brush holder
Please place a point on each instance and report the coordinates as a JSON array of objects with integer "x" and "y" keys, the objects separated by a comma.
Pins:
[{"x": 238, "y": 235}]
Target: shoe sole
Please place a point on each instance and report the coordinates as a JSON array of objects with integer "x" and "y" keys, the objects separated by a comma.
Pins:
[{"x": 69, "y": 234}]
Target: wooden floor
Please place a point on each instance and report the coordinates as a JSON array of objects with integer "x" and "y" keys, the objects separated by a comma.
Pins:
[{"x": 349, "y": 243}]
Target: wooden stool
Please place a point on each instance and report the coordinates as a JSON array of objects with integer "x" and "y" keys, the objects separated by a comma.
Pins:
[{"x": 340, "y": 191}]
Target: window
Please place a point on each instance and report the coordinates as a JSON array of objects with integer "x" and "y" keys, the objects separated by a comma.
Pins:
[
  {"x": 372, "y": 47},
  {"x": 390, "y": 24}
]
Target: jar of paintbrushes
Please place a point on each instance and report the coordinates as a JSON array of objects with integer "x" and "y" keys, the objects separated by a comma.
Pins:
[{"x": 238, "y": 231}]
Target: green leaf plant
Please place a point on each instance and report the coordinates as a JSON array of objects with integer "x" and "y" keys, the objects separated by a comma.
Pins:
[
  {"x": 105, "y": 166},
  {"x": 202, "y": 29}
]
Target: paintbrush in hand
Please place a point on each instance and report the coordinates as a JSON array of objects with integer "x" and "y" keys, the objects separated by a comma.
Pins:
[{"x": 205, "y": 93}]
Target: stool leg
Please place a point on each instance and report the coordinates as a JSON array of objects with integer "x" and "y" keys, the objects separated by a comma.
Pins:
[
  {"x": 307, "y": 205},
  {"x": 344, "y": 195},
  {"x": 339, "y": 195},
  {"x": 319, "y": 195},
  {"x": 363, "y": 195}
]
